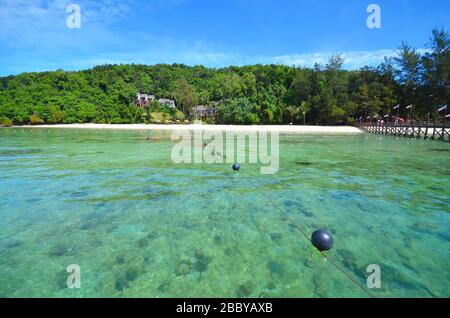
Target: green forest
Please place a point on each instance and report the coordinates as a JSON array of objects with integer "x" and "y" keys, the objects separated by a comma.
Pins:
[{"x": 257, "y": 94}]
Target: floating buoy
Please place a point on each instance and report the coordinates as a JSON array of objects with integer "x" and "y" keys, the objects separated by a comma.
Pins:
[
  {"x": 236, "y": 167},
  {"x": 322, "y": 240}
]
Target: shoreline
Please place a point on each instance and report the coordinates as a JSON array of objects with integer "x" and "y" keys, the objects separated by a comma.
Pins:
[{"x": 249, "y": 128}]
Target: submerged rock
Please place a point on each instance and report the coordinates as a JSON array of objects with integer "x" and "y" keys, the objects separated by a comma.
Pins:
[
  {"x": 164, "y": 286},
  {"x": 202, "y": 261},
  {"x": 147, "y": 261},
  {"x": 218, "y": 239},
  {"x": 59, "y": 250},
  {"x": 143, "y": 242},
  {"x": 121, "y": 283},
  {"x": 120, "y": 259},
  {"x": 199, "y": 254},
  {"x": 276, "y": 237},
  {"x": 152, "y": 235},
  {"x": 201, "y": 265},
  {"x": 271, "y": 285},
  {"x": 244, "y": 290},
  {"x": 131, "y": 274},
  {"x": 275, "y": 268}
]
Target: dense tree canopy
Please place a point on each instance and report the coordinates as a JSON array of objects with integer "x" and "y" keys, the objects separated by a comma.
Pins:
[{"x": 257, "y": 94}]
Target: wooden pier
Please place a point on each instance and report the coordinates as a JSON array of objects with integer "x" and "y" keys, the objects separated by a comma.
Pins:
[{"x": 432, "y": 131}]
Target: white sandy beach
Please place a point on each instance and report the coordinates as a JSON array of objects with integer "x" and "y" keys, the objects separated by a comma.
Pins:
[{"x": 279, "y": 128}]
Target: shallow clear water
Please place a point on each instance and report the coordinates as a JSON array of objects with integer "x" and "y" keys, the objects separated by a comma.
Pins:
[{"x": 139, "y": 225}]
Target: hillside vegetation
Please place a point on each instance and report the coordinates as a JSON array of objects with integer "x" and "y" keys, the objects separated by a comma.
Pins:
[{"x": 257, "y": 94}]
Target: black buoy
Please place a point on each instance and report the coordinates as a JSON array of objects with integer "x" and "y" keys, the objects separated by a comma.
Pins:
[
  {"x": 236, "y": 167},
  {"x": 322, "y": 240}
]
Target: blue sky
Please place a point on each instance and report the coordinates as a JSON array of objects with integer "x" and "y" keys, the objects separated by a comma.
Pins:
[{"x": 34, "y": 35}]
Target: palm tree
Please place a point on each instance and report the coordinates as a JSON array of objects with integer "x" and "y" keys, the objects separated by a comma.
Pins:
[
  {"x": 281, "y": 109},
  {"x": 293, "y": 111},
  {"x": 304, "y": 108},
  {"x": 269, "y": 114}
]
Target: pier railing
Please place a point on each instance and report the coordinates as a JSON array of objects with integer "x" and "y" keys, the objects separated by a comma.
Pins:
[{"x": 425, "y": 130}]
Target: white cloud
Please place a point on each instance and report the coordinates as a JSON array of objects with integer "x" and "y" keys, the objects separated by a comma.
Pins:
[
  {"x": 353, "y": 59},
  {"x": 41, "y": 24},
  {"x": 203, "y": 54},
  {"x": 35, "y": 30}
]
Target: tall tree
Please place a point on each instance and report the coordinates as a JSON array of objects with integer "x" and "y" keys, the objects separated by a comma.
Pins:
[
  {"x": 304, "y": 109},
  {"x": 408, "y": 63},
  {"x": 437, "y": 65},
  {"x": 186, "y": 95},
  {"x": 293, "y": 111},
  {"x": 335, "y": 62},
  {"x": 408, "y": 72}
]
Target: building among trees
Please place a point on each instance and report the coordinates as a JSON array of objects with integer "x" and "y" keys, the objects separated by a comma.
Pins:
[
  {"x": 167, "y": 102},
  {"x": 144, "y": 100},
  {"x": 203, "y": 112}
]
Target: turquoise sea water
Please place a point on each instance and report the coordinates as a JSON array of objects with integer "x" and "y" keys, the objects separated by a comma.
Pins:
[{"x": 139, "y": 225}]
